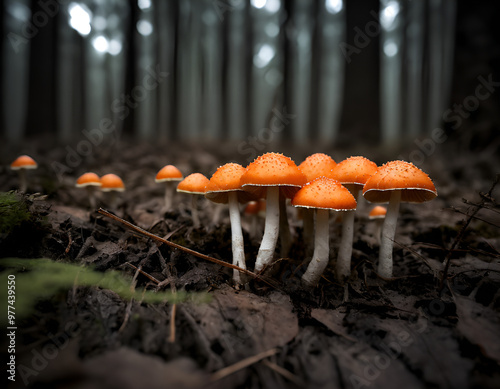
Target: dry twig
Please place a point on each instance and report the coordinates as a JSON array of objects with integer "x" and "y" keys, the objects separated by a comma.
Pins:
[
  {"x": 242, "y": 364},
  {"x": 484, "y": 199},
  {"x": 185, "y": 249},
  {"x": 284, "y": 372}
]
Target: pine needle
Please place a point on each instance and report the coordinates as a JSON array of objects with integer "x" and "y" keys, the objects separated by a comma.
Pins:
[{"x": 242, "y": 364}]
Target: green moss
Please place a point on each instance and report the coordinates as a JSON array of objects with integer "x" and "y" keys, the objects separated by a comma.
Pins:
[
  {"x": 13, "y": 212},
  {"x": 38, "y": 279}
]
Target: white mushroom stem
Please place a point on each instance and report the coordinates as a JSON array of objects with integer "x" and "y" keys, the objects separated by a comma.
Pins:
[
  {"x": 169, "y": 194},
  {"x": 254, "y": 225},
  {"x": 23, "y": 182},
  {"x": 194, "y": 211},
  {"x": 91, "y": 195},
  {"x": 345, "y": 249},
  {"x": 217, "y": 214},
  {"x": 271, "y": 229},
  {"x": 308, "y": 225},
  {"x": 321, "y": 249},
  {"x": 378, "y": 229},
  {"x": 112, "y": 199},
  {"x": 285, "y": 235},
  {"x": 388, "y": 234},
  {"x": 236, "y": 235}
]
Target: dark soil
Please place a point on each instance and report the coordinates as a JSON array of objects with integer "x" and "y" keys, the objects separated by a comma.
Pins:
[{"x": 405, "y": 332}]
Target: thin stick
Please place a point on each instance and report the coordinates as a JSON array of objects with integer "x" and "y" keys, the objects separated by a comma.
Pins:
[
  {"x": 182, "y": 248},
  {"x": 476, "y": 217},
  {"x": 242, "y": 364},
  {"x": 127, "y": 315},
  {"x": 460, "y": 235},
  {"x": 284, "y": 372},
  {"x": 143, "y": 273},
  {"x": 171, "y": 338},
  {"x": 70, "y": 242}
]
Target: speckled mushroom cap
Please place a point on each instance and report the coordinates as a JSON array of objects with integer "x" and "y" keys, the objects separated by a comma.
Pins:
[
  {"x": 317, "y": 165},
  {"x": 415, "y": 185},
  {"x": 88, "y": 179},
  {"x": 23, "y": 162},
  {"x": 274, "y": 169},
  {"x": 110, "y": 182},
  {"x": 195, "y": 183},
  {"x": 169, "y": 173},
  {"x": 227, "y": 179},
  {"x": 353, "y": 171},
  {"x": 325, "y": 193}
]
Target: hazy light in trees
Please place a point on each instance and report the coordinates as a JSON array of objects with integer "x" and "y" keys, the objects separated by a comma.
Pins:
[{"x": 80, "y": 17}]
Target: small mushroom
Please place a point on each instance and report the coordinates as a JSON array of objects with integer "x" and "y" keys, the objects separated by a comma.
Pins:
[
  {"x": 194, "y": 184},
  {"x": 113, "y": 185},
  {"x": 396, "y": 182},
  {"x": 323, "y": 194},
  {"x": 352, "y": 172},
  {"x": 90, "y": 181},
  {"x": 224, "y": 188},
  {"x": 377, "y": 214},
  {"x": 273, "y": 173},
  {"x": 255, "y": 210},
  {"x": 314, "y": 166},
  {"x": 21, "y": 164},
  {"x": 168, "y": 175}
]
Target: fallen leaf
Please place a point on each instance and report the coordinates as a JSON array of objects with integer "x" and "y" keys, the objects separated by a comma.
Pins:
[{"x": 480, "y": 325}]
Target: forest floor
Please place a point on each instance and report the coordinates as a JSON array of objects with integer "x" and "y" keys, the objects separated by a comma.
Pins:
[{"x": 418, "y": 330}]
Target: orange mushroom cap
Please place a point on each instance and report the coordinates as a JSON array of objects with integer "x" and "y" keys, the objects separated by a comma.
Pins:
[
  {"x": 252, "y": 208},
  {"x": 353, "y": 171},
  {"x": 227, "y": 179},
  {"x": 317, "y": 165},
  {"x": 168, "y": 173},
  {"x": 415, "y": 185},
  {"x": 23, "y": 162},
  {"x": 274, "y": 169},
  {"x": 378, "y": 212},
  {"x": 110, "y": 182},
  {"x": 88, "y": 179},
  {"x": 256, "y": 208},
  {"x": 195, "y": 183},
  {"x": 325, "y": 193}
]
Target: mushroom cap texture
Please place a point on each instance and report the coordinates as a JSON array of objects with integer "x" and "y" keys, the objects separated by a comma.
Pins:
[
  {"x": 377, "y": 212},
  {"x": 325, "y": 193},
  {"x": 23, "y": 162},
  {"x": 195, "y": 183},
  {"x": 111, "y": 182},
  {"x": 317, "y": 165},
  {"x": 353, "y": 171},
  {"x": 88, "y": 179},
  {"x": 168, "y": 173},
  {"x": 227, "y": 179},
  {"x": 415, "y": 185},
  {"x": 273, "y": 169}
]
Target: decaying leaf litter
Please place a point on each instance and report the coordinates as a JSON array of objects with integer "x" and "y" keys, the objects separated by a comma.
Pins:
[{"x": 387, "y": 334}]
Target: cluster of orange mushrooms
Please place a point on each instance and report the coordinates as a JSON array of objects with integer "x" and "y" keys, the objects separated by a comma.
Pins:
[{"x": 317, "y": 186}]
